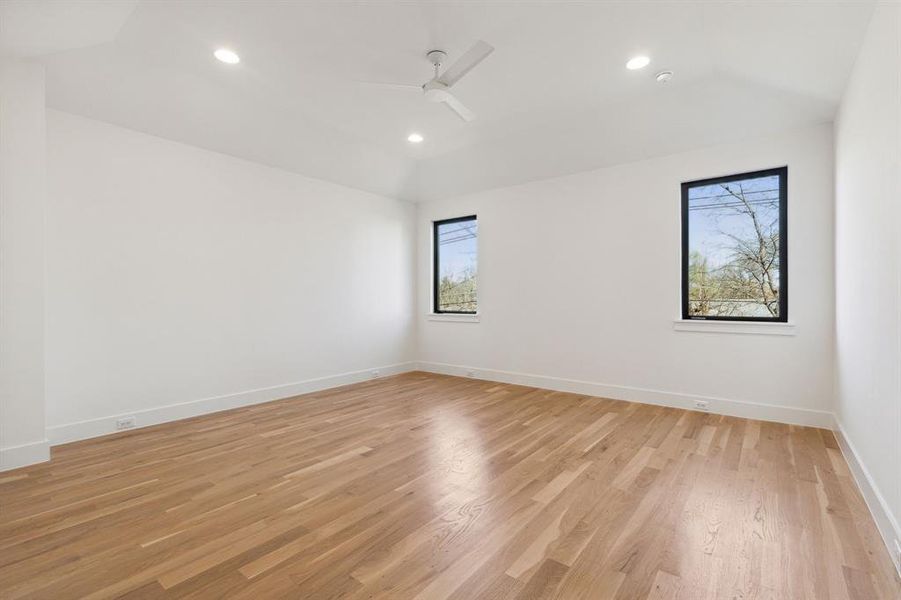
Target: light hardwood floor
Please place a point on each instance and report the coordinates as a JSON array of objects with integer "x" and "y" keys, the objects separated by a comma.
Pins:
[{"x": 427, "y": 486}]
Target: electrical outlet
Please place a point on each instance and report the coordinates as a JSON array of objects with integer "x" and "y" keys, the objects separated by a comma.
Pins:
[
  {"x": 470, "y": 373},
  {"x": 375, "y": 374},
  {"x": 702, "y": 405},
  {"x": 125, "y": 423}
]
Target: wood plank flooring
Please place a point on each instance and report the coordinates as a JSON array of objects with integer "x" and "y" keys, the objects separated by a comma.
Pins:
[{"x": 424, "y": 486}]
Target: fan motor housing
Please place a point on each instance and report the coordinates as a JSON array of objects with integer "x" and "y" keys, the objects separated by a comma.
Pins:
[{"x": 435, "y": 91}]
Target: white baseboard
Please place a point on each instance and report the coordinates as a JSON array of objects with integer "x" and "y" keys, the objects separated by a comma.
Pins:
[
  {"x": 24, "y": 455},
  {"x": 82, "y": 430},
  {"x": 886, "y": 522},
  {"x": 724, "y": 406}
]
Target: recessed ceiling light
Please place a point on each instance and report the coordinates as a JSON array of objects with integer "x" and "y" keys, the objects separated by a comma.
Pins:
[
  {"x": 227, "y": 56},
  {"x": 638, "y": 62},
  {"x": 663, "y": 76},
  {"x": 414, "y": 138}
]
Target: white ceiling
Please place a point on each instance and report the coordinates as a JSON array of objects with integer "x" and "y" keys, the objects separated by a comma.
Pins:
[
  {"x": 554, "y": 97},
  {"x": 38, "y": 27}
]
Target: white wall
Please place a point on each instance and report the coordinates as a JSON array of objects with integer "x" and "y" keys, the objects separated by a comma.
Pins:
[
  {"x": 175, "y": 274},
  {"x": 579, "y": 281},
  {"x": 868, "y": 268},
  {"x": 22, "y": 200}
]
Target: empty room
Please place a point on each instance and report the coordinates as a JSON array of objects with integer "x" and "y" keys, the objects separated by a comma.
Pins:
[{"x": 427, "y": 300}]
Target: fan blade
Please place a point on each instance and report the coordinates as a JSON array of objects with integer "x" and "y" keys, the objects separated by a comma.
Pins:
[
  {"x": 458, "y": 107},
  {"x": 466, "y": 63},
  {"x": 390, "y": 84}
]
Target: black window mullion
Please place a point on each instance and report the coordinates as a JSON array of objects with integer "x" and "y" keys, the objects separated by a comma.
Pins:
[
  {"x": 782, "y": 174},
  {"x": 436, "y": 264}
]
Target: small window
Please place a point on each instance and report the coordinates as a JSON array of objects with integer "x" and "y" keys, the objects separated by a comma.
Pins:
[
  {"x": 734, "y": 247},
  {"x": 455, "y": 246}
]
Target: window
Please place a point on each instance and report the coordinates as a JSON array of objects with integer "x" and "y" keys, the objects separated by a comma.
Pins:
[
  {"x": 734, "y": 247},
  {"x": 455, "y": 243}
]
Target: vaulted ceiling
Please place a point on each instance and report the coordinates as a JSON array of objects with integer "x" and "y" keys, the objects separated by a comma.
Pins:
[{"x": 553, "y": 98}]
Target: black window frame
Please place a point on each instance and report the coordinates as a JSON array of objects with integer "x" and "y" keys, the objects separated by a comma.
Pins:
[
  {"x": 435, "y": 259},
  {"x": 782, "y": 173}
]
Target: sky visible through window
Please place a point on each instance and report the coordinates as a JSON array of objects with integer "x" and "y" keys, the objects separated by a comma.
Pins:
[
  {"x": 457, "y": 256},
  {"x": 734, "y": 248}
]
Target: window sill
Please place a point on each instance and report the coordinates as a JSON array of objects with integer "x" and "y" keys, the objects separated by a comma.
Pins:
[
  {"x": 453, "y": 318},
  {"x": 739, "y": 327}
]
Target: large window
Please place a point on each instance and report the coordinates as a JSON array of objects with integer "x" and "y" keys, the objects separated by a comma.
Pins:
[
  {"x": 455, "y": 242},
  {"x": 734, "y": 247}
]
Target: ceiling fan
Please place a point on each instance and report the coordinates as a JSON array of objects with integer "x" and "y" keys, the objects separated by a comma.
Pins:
[{"x": 437, "y": 89}]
